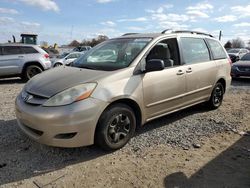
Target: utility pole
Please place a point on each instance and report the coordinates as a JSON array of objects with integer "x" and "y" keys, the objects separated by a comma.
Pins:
[{"x": 220, "y": 35}]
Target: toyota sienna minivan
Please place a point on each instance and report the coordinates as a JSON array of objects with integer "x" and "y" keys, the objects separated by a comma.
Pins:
[{"x": 121, "y": 84}]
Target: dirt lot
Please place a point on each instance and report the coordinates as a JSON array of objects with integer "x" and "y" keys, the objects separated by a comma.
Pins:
[{"x": 191, "y": 148}]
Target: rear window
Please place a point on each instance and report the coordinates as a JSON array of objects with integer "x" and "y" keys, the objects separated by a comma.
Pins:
[
  {"x": 29, "y": 50},
  {"x": 11, "y": 50},
  {"x": 194, "y": 50},
  {"x": 1, "y": 51},
  {"x": 216, "y": 49}
]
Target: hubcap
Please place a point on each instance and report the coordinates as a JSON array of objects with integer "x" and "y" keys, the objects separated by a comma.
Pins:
[
  {"x": 218, "y": 93},
  {"x": 119, "y": 128},
  {"x": 32, "y": 71}
]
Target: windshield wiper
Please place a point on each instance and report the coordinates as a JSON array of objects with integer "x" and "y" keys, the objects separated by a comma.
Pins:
[{"x": 87, "y": 67}]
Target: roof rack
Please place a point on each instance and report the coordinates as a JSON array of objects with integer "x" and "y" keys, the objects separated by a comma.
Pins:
[
  {"x": 130, "y": 34},
  {"x": 187, "y": 31}
]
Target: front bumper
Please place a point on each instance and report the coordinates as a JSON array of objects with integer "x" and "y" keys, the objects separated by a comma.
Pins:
[
  {"x": 65, "y": 126},
  {"x": 236, "y": 73}
]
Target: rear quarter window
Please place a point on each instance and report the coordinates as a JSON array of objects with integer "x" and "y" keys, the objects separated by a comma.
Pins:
[
  {"x": 217, "y": 50},
  {"x": 29, "y": 50},
  {"x": 194, "y": 50}
]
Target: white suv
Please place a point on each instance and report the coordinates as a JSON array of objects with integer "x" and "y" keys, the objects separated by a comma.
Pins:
[{"x": 22, "y": 60}]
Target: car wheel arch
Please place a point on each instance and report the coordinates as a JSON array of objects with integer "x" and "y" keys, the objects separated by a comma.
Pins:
[
  {"x": 32, "y": 63},
  {"x": 223, "y": 82},
  {"x": 132, "y": 104}
]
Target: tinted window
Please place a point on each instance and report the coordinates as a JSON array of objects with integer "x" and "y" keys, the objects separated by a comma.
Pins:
[
  {"x": 29, "y": 50},
  {"x": 246, "y": 57},
  {"x": 11, "y": 50},
  {"x": 217, "y": 50},
  {"x": 1, "y": 51},
  {"x": 194, "y": 50},
  {"x": 166, "y": 50}
]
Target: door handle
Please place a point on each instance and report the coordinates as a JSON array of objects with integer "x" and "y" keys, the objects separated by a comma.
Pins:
[
  {"x": 189, "y": 70},
  {"x": 180, "y": 72},
  {"x": 20, "y": 56}
]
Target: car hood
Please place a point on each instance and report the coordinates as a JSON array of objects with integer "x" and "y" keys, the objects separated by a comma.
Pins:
[
  {"x": 58, "y": 79},
  {"x": 242, "y": 63},
  {"x": 236, "y": 54}
]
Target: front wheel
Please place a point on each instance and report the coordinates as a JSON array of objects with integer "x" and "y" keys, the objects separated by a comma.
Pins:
[
  {"x": 115, "y": 127},
  {"x": 216, "y": 97}
]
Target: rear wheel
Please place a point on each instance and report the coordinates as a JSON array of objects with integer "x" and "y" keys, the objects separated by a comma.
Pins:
[
  {"x": 30, "y": 71},
  {"x": 216, "y": 97},
  {"x": 115, "y": 127}
]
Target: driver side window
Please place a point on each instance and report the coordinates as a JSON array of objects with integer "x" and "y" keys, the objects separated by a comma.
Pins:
[{"x": 166, "y": 50}]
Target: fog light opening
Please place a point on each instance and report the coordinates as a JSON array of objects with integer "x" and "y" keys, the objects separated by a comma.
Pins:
[{"x": 65, "y": 135}]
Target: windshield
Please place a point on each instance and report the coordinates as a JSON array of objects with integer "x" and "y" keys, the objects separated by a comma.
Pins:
[
  {"x": 233, "y": 51},
  {"x": 112, "y": 54},
  {"x": 246, "y": 57}
]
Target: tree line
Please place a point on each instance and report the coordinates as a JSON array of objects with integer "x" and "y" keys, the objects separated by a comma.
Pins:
[
  {"x": 236, "y": 43},
  {"x": 90, "y": 42}
]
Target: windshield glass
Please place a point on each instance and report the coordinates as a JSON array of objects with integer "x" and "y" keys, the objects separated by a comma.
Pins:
[
  {"x": 233, "y": 51},
  {"x": 112, "y": 54},
  {"x": 246, "y": 57}
]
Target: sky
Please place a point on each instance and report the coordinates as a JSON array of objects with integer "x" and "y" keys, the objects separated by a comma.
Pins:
[{"x": 61, "y": 21}]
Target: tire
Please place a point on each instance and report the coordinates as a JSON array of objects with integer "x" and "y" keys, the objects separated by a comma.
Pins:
[
  {"x": 115, "y": 127},
  {"x": 57, "y": 65},
  {"x": 216, "y": 97},
  {"x": 30, "y": 71}
]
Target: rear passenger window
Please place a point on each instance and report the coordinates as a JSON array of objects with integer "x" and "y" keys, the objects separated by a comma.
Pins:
[
  {"x": 11, "y": 50},
  {"x": 216, "y": 49},
  {"x": 194, "y": 50},
  {"x": 29, "y": 50}
]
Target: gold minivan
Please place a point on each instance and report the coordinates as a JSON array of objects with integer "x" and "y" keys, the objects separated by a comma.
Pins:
[{"x": 121, "y": 84}]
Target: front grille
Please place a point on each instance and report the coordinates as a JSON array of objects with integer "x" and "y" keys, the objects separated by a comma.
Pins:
[
  {"x": 244, "y": 69},
  {"x": 34, "y": 99}
]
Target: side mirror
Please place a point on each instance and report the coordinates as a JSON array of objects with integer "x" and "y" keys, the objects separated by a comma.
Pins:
[
  {"x": 237, "y": 58},
  {"x": 154, "y": 65}
]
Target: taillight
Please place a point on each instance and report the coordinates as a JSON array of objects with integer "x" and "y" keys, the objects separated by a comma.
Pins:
[
  {"x": 230, "y": 61},
  {"x": 46, "y": 56}
]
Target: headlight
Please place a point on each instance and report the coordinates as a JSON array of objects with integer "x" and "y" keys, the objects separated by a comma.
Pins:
[{"x": 71, "y": 95}]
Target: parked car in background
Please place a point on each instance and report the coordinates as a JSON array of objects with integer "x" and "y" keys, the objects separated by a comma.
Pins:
[
  {"x": 242, "y": 67},
  {"x": 234, "y": 58},
  {"x": 142, "y": 77},
  {"x": 66, "y": 59},
  {"x": 81, "y": 48},
  {"x": 22, "y": 60},
  {"x": 237, "y": 52}
]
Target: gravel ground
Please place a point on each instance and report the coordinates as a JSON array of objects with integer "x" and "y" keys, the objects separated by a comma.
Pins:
[{"x": 21, "y": 158}]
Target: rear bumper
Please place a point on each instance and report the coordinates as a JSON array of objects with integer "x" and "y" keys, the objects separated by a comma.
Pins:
[{"x": 66, "y": 126}]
